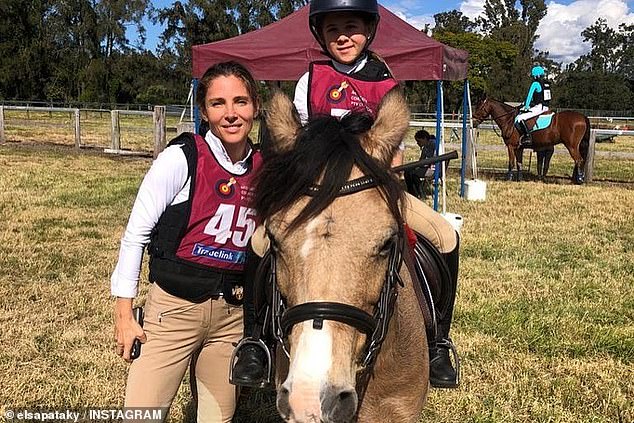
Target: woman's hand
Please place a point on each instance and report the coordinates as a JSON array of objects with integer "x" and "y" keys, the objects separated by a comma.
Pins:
[{"x": 126, "y": 329}]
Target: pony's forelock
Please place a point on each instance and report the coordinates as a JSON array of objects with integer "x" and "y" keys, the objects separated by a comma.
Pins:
[{"x": 325, "y": 152}]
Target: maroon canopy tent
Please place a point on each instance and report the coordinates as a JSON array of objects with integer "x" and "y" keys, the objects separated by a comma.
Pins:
[{"x": 282, "y": 51}]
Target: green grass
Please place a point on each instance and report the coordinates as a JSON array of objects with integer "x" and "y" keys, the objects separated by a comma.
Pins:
[{"x": 544, "y": 318}]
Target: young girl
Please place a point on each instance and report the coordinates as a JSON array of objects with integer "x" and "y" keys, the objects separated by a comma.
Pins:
[
  {"x": 355, "y": 80},
  {"x": 537, "y": 102},
  {"x": 193, "y": 210}
]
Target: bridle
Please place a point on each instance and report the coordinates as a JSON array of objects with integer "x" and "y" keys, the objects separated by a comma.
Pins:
[
  {"x": 494, "y": 118},
  {"x": 374, "y": 326}
]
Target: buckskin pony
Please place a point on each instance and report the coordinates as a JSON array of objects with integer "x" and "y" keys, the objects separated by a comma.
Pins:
[
  {"x": 351, "y": 335},
  {"x": 572, "y": 129}
]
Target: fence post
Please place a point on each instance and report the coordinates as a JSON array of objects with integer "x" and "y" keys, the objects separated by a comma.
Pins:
[
  {"x": 159, "y": 129},
  {"x": 589, "y": 165},
  {"x": 77, "y": 130},
  {"x": 2, "y": 139},
  {"x": 116, "y": 130}
]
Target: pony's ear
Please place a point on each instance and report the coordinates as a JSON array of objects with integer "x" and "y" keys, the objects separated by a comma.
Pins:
[
  {"x": 283, "y": 122},
  {"x": 390, "y": 127}
]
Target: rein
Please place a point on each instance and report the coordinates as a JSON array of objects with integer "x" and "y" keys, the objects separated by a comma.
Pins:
[
  {"x": 495, "y": 118},
  {"x": 365, "y": 182}
]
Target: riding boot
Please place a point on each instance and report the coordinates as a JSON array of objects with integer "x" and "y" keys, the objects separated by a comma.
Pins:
[
  {"x": 442, "y": 373},
  {"x": 253, "y": 365},
  {"x": 525, "y": 139}
]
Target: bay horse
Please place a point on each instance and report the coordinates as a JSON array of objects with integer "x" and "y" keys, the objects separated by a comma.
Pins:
[
  {"x": 351, "y": 336},
  {"x": 572, "y": 129}
]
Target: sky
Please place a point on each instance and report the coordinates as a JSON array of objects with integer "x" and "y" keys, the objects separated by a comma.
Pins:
[{"x": 559, "y": 31}]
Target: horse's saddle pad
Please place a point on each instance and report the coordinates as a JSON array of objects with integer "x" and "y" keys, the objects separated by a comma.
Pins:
[{"x": 543, "y": 121}]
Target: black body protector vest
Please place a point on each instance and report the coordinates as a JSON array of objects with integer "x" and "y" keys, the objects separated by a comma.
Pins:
[
  {"x": 185, "y": 278},
  {"x": 544, "y": 96}
]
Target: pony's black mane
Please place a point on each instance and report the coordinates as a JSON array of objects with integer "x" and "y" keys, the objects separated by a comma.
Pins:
[{"x": 326, "y": 148}]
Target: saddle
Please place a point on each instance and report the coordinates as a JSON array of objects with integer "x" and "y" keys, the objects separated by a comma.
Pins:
[{"x": 431, "y": 282}]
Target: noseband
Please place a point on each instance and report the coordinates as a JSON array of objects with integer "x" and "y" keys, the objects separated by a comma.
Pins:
[{"x": 374, "y": 325}]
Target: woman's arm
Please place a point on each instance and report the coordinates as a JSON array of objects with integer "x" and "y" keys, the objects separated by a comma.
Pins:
[{"x": 161, "y": 186}]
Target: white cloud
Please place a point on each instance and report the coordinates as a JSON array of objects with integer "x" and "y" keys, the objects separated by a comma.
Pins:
[
  {"x": 560, "y": 30},
  {"x": 472, "y": 8},
  {"x": 417, "y": 21}
]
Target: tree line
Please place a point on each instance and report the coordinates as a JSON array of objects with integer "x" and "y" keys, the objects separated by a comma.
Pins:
[{"x": 78, "y": 51}]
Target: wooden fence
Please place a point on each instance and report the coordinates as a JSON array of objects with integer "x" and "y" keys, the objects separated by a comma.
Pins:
[
  {"x": 160, "y": 129},
  {"x": 158, "y": 115}
]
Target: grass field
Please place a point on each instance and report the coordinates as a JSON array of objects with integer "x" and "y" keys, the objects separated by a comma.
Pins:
[{"x": 544, "y": 318}]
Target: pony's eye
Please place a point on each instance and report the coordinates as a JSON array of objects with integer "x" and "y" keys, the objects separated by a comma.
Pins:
[{"x": 387, "y": 246}]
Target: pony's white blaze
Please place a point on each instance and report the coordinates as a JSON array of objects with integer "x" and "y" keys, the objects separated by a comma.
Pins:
[
  {"x": 309, "y": 370},
  {"x": 311, "y": 234}
]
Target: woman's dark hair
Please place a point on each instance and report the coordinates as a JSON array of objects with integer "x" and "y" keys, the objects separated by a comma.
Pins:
[
  {"x": 422, "y": 134},
  {"x": 230, "y": 68}
]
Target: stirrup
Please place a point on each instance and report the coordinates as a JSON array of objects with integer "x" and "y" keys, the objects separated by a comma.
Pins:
[
  {"x": 447, "y": 343},
  {"x": 269, "y": 362}
]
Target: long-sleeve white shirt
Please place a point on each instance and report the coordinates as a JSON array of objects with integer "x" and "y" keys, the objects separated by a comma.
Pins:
[{"x": 166, "y": 183}]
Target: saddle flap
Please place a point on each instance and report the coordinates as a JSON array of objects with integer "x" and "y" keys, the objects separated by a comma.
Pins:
[{"x": 432, "y": 282}]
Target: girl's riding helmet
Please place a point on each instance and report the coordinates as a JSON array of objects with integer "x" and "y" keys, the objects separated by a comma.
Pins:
[
  {"x": 318, "y": 8},
  {"x": 538, "y": 71}
]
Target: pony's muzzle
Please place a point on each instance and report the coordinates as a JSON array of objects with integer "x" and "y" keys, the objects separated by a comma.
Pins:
[{"x": 338, "y": 405}]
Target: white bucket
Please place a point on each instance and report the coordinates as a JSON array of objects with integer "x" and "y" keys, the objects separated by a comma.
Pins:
[
  {"x": 455, "y": 220},
  {"x": 475, "y": 190}
]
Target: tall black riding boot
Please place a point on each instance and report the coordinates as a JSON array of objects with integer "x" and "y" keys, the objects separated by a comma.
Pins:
[
  {"x": 442, "y": 373},
  {"x": 525, "y": 139},
  {"x": 253, "y": 365}
]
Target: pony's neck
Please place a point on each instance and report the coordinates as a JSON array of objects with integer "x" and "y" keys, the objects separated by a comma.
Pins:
[{"x": 504, "y": 116}]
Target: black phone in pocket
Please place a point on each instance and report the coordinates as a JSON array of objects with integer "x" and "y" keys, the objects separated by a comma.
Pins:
[{"x": 135, "y": 352}]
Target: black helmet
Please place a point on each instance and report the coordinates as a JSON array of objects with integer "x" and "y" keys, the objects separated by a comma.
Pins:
[{"x": 321, "y": 7}]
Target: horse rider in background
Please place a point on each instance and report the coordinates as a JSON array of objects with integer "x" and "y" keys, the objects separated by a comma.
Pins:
[{"x": 536, "y": 102}]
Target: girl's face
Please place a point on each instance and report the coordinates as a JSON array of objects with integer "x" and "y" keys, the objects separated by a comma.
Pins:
[
  {"x": 229, "y": 110},
  {"x": 345, "y": 35}
]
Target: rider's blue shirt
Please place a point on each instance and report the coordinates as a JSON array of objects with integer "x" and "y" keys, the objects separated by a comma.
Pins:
[{"x": 535, "y": 87}]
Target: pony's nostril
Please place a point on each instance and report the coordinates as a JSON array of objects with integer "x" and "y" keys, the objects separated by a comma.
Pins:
[
  {"x": 340, "y": 405},
  {"x": 283, "y": 406},
  {"x": 346, "y": 396}
]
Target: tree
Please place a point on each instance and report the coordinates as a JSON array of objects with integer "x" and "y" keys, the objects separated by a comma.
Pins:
[
  {"x": 602, "y": 79},
  {"x": 25, "y": 44},
  {"x": 502, "y": 22},
  {"x": 192, "y": 22}
]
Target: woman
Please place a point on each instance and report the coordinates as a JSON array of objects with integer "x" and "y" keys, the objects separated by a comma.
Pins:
[{"x": 193, "y": 210}]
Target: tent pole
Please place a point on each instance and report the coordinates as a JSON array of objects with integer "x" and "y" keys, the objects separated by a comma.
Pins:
[
  {"x": 439, "y": 138},
  {"x": 466, "y": 113},
  {"x": 196, "y": 112}
]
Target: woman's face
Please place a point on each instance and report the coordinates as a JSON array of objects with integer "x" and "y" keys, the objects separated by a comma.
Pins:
[
  {"x": 345, "y": 35},
  {"x": 229, "y": 110}
]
